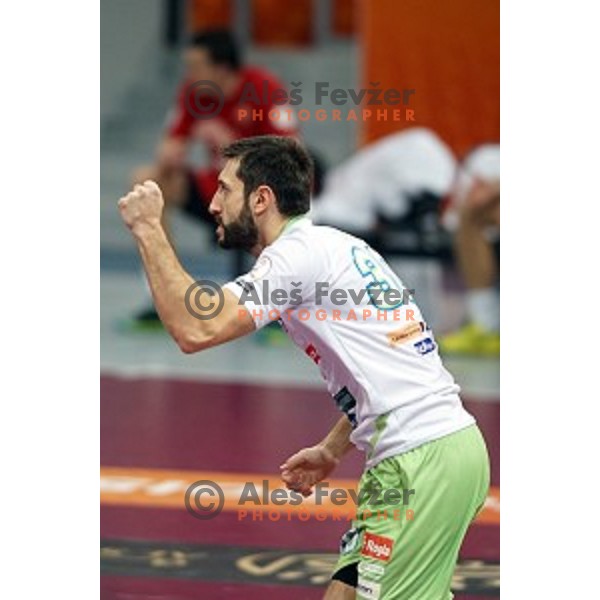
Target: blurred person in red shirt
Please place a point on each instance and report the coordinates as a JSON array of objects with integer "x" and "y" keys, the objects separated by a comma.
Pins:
[{"x": 219, "y": 100}]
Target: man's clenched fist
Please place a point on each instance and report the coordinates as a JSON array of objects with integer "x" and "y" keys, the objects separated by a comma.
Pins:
[
  {"x": 304, "y": 469},
  {"x": 142, "y": 206}
]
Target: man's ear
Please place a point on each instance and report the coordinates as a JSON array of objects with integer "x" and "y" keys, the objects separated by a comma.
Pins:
[{"x": 265, "y": 198}]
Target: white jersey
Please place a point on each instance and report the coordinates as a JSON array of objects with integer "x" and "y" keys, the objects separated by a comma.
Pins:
[
  {"x": 381, "y": 178},
  {"x": 342, "y": 305}
]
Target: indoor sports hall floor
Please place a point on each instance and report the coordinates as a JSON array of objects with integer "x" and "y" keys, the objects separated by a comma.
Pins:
[
  {"x": 228, "y": 415},
  {"x": 231, "y": 415}
]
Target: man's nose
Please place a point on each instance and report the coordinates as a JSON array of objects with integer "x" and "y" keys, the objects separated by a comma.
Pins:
[{"x": 212, "y": 207}]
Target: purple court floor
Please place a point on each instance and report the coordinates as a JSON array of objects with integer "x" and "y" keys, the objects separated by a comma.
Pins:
[{"x": 153, "y": 550}]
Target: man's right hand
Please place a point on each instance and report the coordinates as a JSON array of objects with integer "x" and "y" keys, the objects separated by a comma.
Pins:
[{"x": 307, "y": 467}]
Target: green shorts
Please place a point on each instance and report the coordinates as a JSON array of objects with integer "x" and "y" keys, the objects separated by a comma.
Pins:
[{"x": 412, "y": 515}]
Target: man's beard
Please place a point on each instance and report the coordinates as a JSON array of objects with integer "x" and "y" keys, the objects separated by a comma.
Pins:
[{"x": 241, "y": 233}]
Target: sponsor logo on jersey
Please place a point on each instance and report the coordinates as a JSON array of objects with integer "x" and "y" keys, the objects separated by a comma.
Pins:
[
  {"x": 425, "y": 346},
  {"x": 260, "y": 268},
  {"x": 406, "y": 333},
  {"x": 349, "y": 541},
  {"x": 346, "y": 402},
  {"x": 311, "y": 351},
  {"x": 368, "y": 589},
  {"x": 247, "y": 286},
  {"x": 374, "y": 570},
  {"x": 377, "y": 546}
]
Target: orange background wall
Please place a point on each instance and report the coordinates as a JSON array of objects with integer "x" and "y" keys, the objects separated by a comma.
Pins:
[
  {"x": 273, "y": 22},
  {"x": 449, "y": 52},
  {"x": 343, "y": 19},
  {"x": 282, "y": 23},
  {"x": 207, "y": 14}
]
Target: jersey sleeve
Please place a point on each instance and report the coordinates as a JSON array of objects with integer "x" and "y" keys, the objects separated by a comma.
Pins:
[
  {"x": 281, "y": 280},
  {"x": 180, "y": 120}
]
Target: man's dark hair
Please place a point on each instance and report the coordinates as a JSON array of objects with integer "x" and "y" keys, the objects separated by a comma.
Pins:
[
  {"x": 221, "y": 46},
  {"x": 281, "y": 163}
]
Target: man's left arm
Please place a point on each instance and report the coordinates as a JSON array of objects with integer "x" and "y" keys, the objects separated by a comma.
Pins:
[
  {"x": 141, "y": 210},
  {"x": 310, "y": 465}
]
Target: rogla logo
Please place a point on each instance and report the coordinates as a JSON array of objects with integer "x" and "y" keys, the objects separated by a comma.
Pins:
[{"x": 377, "y": 547}]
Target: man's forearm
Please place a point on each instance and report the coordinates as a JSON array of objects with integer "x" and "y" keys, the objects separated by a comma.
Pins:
[
  {"x": 338, "y": 439},
  {"x": 169, "y": 283}
]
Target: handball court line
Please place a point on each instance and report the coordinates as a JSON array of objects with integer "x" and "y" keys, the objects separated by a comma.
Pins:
[{"x": 242, "y": 493}]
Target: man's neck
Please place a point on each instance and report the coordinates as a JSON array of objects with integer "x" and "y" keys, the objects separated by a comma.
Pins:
[{"x": 271, "y": 231}]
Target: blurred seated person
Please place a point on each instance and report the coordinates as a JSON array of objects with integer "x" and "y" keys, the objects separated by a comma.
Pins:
[
  {"x": 201, "y": 115},
  {"x": 391, "y": 192},
  {"x": 474, "y": 216}
]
